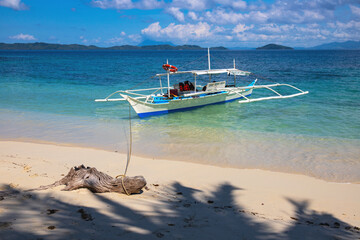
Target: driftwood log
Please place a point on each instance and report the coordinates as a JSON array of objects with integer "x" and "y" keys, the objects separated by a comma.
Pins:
[{"x": 98, "y": 182}]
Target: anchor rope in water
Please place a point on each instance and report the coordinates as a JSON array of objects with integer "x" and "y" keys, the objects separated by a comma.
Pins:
[
  {"x": 128, "y": 155},
  {"x": 130, "y": 137}
]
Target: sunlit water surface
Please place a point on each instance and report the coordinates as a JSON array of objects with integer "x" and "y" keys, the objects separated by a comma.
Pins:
[{"x": 49, "y": 96}]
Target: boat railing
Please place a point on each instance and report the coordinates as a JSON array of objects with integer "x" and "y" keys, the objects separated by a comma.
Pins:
[{"x": 133, "y": 92}]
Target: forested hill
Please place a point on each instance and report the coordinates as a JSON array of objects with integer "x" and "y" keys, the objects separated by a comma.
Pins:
[{"x": 51, "y": 46}]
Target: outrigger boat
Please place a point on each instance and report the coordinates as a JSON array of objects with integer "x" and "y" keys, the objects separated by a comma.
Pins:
[{"x": 187, "y": 95}]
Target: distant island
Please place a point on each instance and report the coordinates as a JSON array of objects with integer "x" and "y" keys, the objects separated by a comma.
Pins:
[
  {"x": 348, "y": 45},
  {"x": 153, "y": 45},
  {"x": 273, "y": 46},
  {"x": 51, "y": 46}
]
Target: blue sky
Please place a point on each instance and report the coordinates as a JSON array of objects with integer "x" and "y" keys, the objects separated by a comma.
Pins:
[{"x": 230, "y": 23}]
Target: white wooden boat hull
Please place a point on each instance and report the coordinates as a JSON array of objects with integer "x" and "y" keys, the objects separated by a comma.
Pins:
[
  {"x": 156, "y": 103},
  {"x": 144, "y": 109}
]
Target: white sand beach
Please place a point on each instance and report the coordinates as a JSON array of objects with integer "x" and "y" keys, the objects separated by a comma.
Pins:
[{"x": 181, "y": 200}]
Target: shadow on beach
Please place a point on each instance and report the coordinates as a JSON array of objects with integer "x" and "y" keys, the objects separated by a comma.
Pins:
[{"x": 174, "y": 213}]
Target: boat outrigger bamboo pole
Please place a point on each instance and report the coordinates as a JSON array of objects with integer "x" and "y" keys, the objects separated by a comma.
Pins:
[{"x": 129, "y": 150}]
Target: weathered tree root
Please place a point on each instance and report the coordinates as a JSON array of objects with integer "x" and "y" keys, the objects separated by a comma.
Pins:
[{"x": 97, "y": 182}]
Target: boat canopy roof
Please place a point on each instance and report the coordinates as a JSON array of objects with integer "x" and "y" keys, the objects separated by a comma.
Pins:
[{"x": 231, "y": 71}]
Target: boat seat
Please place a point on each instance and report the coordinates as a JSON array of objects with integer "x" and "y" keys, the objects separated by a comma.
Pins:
[
  {"x": 190, "y": 86},
  {"x": 214, "y": 86},
  {"x": 174, "y": 92},
  {"x": 179, "y": 86}
]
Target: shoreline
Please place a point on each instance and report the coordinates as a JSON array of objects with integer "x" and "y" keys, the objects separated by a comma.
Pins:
[
  {"x": 221, "y": 198},
  {"x": 330, "y": 158},
  {"x": 84, "y": 146}
]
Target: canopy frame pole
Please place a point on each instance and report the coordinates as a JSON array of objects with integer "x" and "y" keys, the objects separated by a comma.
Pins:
[
  {"x": 195, "y": 83},
  {"x": 162, "y": 93}
]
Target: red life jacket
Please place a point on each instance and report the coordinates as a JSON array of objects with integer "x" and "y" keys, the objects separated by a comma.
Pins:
[{"x": 186, "y": 87}]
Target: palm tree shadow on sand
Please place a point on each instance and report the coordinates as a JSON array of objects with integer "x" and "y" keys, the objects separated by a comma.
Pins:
[{"x": 175, "y": 212}]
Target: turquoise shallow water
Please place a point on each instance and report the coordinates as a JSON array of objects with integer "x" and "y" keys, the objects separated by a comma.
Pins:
[{"x": 49, "y": 96}]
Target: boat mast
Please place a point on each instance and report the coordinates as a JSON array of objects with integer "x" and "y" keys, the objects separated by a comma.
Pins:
[
  {"x": 234, "y": 74},
  {"x": 209, "y": 58},
  {"x": 168, "y": 78},
  {"x": 209, "y": 63}
]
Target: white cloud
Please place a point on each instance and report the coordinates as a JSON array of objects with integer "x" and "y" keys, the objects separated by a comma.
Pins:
[
  {"x": 306, "y": 11},
  {"x": 196, "y": 5},
  {"x": 355, "y": 10},
  {"x": 116, "y": 40},
  {"x": 242, "y": 28},
  {"x": 257, "y": 16},
  {"x": 176, "y": 13},
  {"x": 192, "y": 15},
  {"x": 179, "y": 33},
  {"x": 248, "y": 36},
  {"x": 117, "y": 4},
  {"x": 223, "y": 21},
  {"x": 135, "y": 38},
  {"x": 218, "y": 29},
  {"x": 258, "y": 6},
  {"x": 280, "y": 12},
  {"x": 349, "y": 25},
  {"x": 128, "y": 4},
  {"x": 25, "y": 37},
  {"x": 345, "y": 30},
  {"x": 270, "y": 28},
  {"x": 124, "y": 39},
  {"x": 224, "y": 17},
  {"x": 239, "y": 4},
  {"x": 313, "y": 15},
  {"x": 341, "y": 35},
  {"x": 221, "y": 16},
  {"x": 83, "y": 39},
  {"x": 149, "y": 4},
  {"x": 254, "y": 34},
  {"x": 235, "y": 4},
  {"x": 152, "y": 29},
  {"x": 275, "y": 28},
  {"x": 14, "y": 4},
  {"x": 200, "y": 5}
]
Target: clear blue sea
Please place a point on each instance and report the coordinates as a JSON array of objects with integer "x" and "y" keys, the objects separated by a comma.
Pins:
[{"x": 49, "y": 96}]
